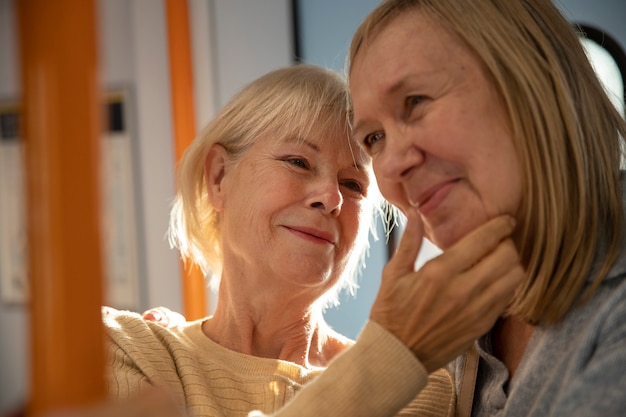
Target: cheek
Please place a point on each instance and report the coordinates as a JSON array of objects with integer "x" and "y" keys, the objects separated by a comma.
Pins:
[
  {"x": 390, "y": 190},
  {"x": 395, "y": 194},
  {"x": 352, "y": 221},
  {"x": 504, "y": 182}
]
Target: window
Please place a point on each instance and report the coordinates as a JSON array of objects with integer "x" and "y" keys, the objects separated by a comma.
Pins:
[{"x": 608, "y": 60}]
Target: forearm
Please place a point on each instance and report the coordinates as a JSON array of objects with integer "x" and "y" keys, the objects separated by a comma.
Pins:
[{"x": 376, "y": 377}]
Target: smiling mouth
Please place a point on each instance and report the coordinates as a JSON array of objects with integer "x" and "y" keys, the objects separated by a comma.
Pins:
[
  {"x": 312, "y": 235},
  {"x": 431, "y": 199}
]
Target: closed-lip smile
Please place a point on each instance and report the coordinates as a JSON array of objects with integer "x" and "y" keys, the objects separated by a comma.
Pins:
[
  {"x": 430, "y": 199},
  {"x": 313, "y": 233}
]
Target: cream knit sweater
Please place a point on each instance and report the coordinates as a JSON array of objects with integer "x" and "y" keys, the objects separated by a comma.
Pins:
[{"x": 210, "y": 380}]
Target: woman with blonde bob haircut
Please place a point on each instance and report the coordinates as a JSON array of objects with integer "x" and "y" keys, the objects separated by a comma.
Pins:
[
  {"x": 565, "y": 129},
  {"x": 472, "y": 109}
]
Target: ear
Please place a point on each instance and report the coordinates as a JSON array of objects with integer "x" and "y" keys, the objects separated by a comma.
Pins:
[{"x": 214, "y": 173}]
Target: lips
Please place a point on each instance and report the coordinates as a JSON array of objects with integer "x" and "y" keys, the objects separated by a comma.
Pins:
[
  {"x": 429, "y": 200},
  {"x": 313, "y": 233}
]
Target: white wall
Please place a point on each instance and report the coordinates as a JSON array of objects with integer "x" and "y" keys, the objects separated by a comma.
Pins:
[{"x": 235, "y": 41}]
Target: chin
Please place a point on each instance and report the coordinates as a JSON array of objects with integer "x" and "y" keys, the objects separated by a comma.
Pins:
[{"x": 446, "y": 237}]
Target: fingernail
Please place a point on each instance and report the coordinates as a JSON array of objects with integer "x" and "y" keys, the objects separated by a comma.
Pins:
[{"x": 154, "y": 316}]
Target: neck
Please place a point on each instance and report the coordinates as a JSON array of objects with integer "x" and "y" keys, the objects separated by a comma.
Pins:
[
  {"x": 510, "y": 338},
  {"x": 277, "y": 328}
]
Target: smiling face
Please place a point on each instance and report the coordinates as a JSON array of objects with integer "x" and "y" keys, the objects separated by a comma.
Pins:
[
  {"x": 290, "y": 209},
  {"x": 437, "y": 130}
]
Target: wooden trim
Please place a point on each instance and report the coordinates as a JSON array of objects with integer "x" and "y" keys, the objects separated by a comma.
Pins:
[
  {"x": 61, "y": 129},
  {"x": 181, "y": 79}
]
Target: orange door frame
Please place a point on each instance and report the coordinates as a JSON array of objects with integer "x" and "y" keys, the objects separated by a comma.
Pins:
[
  {"x": 181, "y": 79},
  {"x": 61, "y": 131}
]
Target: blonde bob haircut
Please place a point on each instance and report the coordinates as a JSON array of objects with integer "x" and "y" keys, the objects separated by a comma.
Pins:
[
  {"x": 567, "y": 134},
  {"x": 288, "y": 102}
]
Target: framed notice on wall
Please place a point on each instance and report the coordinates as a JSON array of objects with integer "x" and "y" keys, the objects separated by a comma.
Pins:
[
  {"x": 12, "y": 209},
  {"x": 119, "y": 229}
]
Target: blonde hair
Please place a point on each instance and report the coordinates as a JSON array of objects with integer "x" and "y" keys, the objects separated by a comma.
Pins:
[
  {"x": 567, "y": 134},
  {"x": 286, "y": 102}
]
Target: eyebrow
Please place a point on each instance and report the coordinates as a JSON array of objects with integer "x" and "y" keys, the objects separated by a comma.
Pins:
[
  {"x": 300, "y": 141},
  {"x": 359, "y": 166}
]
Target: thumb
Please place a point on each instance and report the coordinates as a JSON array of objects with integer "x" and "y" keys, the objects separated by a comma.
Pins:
[
  {"x": 403, "y": 261},
  {"x": 395, "y": 290}
]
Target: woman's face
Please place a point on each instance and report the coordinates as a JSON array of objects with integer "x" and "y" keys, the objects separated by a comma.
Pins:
[
  {"x": 291, "y": 209},
  {"x": 436, "y": 128}
]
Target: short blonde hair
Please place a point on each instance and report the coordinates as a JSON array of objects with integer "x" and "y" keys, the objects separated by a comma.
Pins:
[
  {"x": 286, "y": 102},
  {"x": 568, "y": 136}
]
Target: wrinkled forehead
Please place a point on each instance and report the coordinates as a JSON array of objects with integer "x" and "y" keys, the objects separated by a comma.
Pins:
[
  {"x": 376, "y": 22},
  {"x": 332, "y": 139}
]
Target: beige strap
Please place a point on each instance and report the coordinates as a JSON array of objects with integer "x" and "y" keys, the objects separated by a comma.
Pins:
[{"x": 465, "y": 396}]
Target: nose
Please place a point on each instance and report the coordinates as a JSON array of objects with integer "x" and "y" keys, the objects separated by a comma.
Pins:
[
  {"x": 399, "y": 156},
  {"x": 326, "y": 196}
]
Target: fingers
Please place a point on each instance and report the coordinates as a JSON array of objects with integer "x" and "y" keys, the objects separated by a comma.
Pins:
[
  {"x": 491, "y": 269},
  {"x": 480, "y": 242},
  {"x": 164, "y": 317},
  {"x": 505, "y": 268},
  {"x": 155, "y": 315},
  {"x": 473, "y": 303},
  {"x": 439, "y": 310},
  {"x": 403, "y": 260},
  {"x": 392, "y": 295}
]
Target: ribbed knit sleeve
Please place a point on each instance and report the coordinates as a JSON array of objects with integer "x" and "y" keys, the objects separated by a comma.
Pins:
[{"x": 376, "y": 377}]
